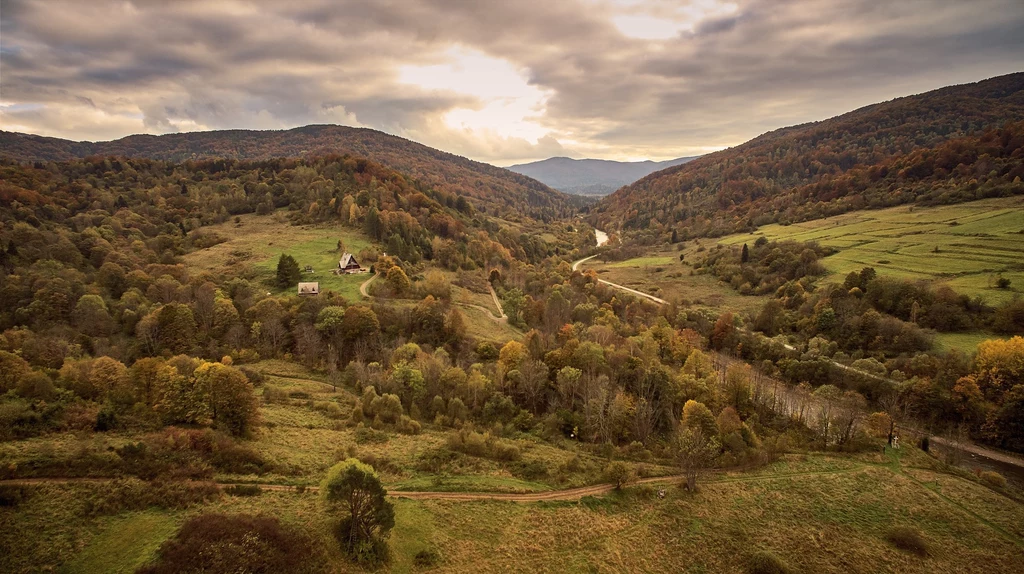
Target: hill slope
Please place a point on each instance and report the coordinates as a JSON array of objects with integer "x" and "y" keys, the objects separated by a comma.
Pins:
[
  {"x": 950, "y": 145},
  {"x": 591, "y": 176},
  {"x": 498, "y": 190}
]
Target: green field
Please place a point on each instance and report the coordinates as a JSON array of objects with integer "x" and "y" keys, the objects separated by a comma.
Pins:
[
  {"x": 966, "y": 246},
  {"x": 256, "y": 242},
  {"x": 643, "y": 262}
]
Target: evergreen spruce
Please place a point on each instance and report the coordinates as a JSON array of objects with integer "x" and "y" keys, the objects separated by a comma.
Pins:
[{"x": 288, "y": 273}]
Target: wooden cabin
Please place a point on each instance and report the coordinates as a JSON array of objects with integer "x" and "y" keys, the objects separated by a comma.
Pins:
[
  {"x": 348, "y": 264},
  {"x": 309, "y": 289}
]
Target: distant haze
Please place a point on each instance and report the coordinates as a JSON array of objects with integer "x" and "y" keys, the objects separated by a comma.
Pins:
[{"x": 591, "y": 176}]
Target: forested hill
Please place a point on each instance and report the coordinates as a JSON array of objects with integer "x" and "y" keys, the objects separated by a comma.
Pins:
[
  {"x": 591, "y": 176},
  {"x": 495, "y": 190},
  {"x": 950, "y": 145}
]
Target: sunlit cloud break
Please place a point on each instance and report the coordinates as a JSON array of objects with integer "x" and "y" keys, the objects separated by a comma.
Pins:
[{"x": 494, "y": 81}]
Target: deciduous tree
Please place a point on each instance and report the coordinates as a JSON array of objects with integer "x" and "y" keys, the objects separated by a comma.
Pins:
[{"x": 367, "y": 516}]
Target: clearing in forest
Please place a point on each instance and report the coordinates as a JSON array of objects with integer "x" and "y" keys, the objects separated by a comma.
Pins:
[{"x": 258, "y": 241}]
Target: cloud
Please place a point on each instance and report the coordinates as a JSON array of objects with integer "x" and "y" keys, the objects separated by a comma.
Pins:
[{"x": 503, "y": 82}]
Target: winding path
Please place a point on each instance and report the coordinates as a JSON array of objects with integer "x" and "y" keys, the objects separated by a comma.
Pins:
[
  {"x": 658, "y": 300},
  {"x": 547, "y": 495},
  {"x": 497, "y": 303},
  {"x": 365, "y": 285}
]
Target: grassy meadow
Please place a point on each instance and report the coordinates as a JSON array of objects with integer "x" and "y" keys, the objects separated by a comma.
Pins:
[
  {"x": 816, "y": 512},
  {"x": 256, "y": 242},
  {"x": 662, "y": 274},
  {"x": 966, "y": 246}
]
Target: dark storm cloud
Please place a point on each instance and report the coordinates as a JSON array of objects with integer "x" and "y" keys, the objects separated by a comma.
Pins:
[{"x": 106, "y": 68}]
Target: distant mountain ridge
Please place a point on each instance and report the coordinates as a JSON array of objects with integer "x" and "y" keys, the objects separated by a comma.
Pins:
[
  {"x": 498, "y": 190},
  {"x": 950, "y": 145},
  {"x": 591, "y": 176}
]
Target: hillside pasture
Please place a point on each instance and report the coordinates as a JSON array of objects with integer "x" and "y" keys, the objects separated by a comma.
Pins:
[
  {"x": 815, "y": 512},
  {"x": 966, "y": 246},
  {"x": 662, "y": 274},
  {"x": 254, "y": 244}
]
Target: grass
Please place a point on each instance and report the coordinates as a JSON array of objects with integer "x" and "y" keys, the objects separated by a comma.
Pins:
[
  {"x": 966, "y": 342},
  {"x": 831, "y": 523},
  {"x": 124, "y": 543},
  {"x": 643, "y": 262},
  {"x": 662, "y": 274},
  {"x": 817, "y": 513},
  {"x": 966, "y": 246},
  {"x": 470, "y": 483},
  {"x": 480, "y": 325},
  {"x": 257, "y": 242},
  {"x": 413, "y": 532}
]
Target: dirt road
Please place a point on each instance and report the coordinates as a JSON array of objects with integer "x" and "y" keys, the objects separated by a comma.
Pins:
[
  {"x": 549, "y": 495},
  {"x": 366, "y": 284},
  {"x": 566, "y": 494},
  {"x": 575, "y": 267}
]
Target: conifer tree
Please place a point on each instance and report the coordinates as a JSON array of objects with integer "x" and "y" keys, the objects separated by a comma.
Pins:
[{"x": 288, "y": 273}]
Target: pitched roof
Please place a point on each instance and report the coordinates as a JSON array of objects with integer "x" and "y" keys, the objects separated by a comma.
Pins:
[
  {"x": 309, "y": 287},
  {"x": 346, "y": 260}
]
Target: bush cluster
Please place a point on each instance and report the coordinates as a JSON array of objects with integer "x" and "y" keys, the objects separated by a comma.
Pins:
[
  {"x": 468, "y": 441},
  {"x": 220, "y": 543}
]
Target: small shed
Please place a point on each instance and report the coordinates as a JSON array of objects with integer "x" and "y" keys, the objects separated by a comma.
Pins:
[
  {"x": 309, "y": 288},
  {"x": 348, "y": 264}
]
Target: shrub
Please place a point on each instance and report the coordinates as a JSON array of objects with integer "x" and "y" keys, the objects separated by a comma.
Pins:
[
  {"x": 255, "y": 377},
  {"x": 532, "y": 470},
  {"x": 357, "y": 414},
  {"x": 619, "y": 473},
  {"x": 993, "y": 479},
  {"x": 380, "y": 463},
  {"x": 426, "y": 558},
  {"x": 436, "y": 460},
  {"x": 275, "y": 395},
  {"x": 486, "y": 351},
  {"x": 19, "y": 420},
  {"x": 106, "y": 419},
  {"x": 12, "y": 494},
  {"x": 365, "y": 435},
  {"x": 330, "y": 409},
  {"x": 125, "y": 495},
  {"x": 767, "y": 563},
  {"x": 907, "y": 539},
  {"x": 483, "y": 445},
  {"x": 215, "y": 543},
  {"x": 408, "y": 426},
  {"x": 388, "y": 407},
  {"x": 243, "y": 490}
]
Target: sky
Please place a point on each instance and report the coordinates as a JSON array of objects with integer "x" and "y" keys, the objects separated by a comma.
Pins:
[{"x": 502, "y": 82}]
